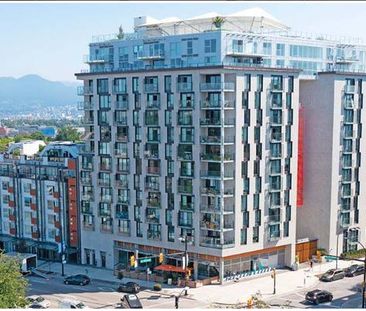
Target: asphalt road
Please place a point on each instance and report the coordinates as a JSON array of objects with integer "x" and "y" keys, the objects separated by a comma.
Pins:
[
  {"x": 100, "y": 295},
  {"x": 345, "y": 292}
]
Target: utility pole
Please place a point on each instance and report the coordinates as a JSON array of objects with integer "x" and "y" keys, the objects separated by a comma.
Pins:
[{"x": 274, "y": 280}]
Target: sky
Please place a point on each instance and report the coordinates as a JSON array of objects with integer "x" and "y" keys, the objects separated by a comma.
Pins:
[{"x": 50, "y": 39}]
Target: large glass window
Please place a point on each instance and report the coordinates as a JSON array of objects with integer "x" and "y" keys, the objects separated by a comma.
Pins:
[
  {"x": 210, "y": 46},
  {"x": 280, "y": 49},
  {"x": 304, "y": 51}
]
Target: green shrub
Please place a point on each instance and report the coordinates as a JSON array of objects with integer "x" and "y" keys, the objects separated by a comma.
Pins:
[{"x": 353, "y": 254}]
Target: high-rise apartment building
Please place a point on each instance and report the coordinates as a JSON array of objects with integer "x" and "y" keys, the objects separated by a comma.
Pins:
[
  {"x": 39, "y": 202},
  {"x": 190, "y": 134},
  {"x": 334, "y": 176}
]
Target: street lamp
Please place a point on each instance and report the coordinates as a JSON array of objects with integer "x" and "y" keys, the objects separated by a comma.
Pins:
[{"x": 184, "y": 239}]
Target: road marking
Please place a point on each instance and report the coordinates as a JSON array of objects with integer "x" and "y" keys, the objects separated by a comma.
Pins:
[{"x": 106, "y": 289}]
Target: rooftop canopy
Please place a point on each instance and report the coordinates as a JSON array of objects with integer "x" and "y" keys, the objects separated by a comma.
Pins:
[{"x": 250, "y": 20}]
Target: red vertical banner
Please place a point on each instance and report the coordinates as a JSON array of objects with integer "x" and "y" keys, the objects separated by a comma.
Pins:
[{"x": 300, "y": 160}]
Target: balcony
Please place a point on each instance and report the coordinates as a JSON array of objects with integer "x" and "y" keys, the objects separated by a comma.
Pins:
[
  {"x": 151, "y": 154},
  {"x": 276, "y": 137},
  {"x": 88, "y": 226},
  {"x": 153, "y": 202},
  {"x": 121, "y": 214},
  {"x": 147, "y": 55},
  {"x": 274, "y": 219},
  {"x": 86, "y": 180},
  {"x": 217, "y": 174},
  {"x": 106, "y": 198},
  {"x": 186, "y": 104},
  {"x": 87, "y": 121},
  {"x": 121, "y": 184},
  {"x": 211, "y": 242},
  {"x": 349, "y": 89},
  {"x": 106, "y": 228},
  {"x": 217, "y": 105},
  {"x": 104, "y": 182},
  {"x": 217, "y": 140},
  {"x": 187, "y": 156},
  {"x": 212, "y": 157},
  {"x": 121, "y": 153},
  {"x": 151, "y": 186},
  {"x": 210, "y": 225},
  {"x": 217, "y": 86},
  {"x": 121, "y": 121},
  {"x": 122, "y": 138},
  {"x": 348, "y": 103},
  {"x": 154, "y": 235},
  {"x": 276, "y": 86},
  {"x": 184, "y": 87},
  {"x": 276, "y": 104},
  {"x": 153, "y": 104},
  {"x": 152, "y": 121},
  {"x": 210, "y": 122},
  {"x": 185, "y": 121},
  {"x": 151, "y": 88},
  {"x": 84, "y": 90},
  {"x": 153, "y": 218},
  {"x": 153, "y": 139},
  {"x": 119, "y": 89},
  {"x": 187, "y": 206},
  {"x": 210, "y": 191},
  {"x": 155, "y": 170},
  {"x": 85, "y": 105},
  {"x": 185, "y": 189},
  {"x": 105, "y": 167},
  {"x": 89, "y": 196},
  {"x": 121, "y": 105},
  {"x": 187, "y": 139},
  {"x": 87, "y": 210},
  {"x": 184, "y": 224}
]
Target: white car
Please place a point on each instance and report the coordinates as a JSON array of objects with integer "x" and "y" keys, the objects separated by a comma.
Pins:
[
  {"x": 71, "y": 304},
  {"x": 37, "y": 302}
]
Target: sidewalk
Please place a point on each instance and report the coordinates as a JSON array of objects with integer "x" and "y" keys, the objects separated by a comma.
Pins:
[
  {"x": 286, "y": 282},
  {"x": 101, "y": 274}
]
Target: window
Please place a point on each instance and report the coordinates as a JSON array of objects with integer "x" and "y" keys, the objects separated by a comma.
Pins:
[
  {"x": 267, "y": 48},
  {"x": 189, "y": 47},
  {"x": 210, "y": 46},
  {"x": 167, "y": 84},
  {"x": 303, "y": 51},
  {"x": 27, "y": 201},
  {"x": 243, "y": 236},
  {"x": 135, "y": 84},
  {"x": 237, "y": 46},
  {"x": 280, "y": 49},
  {"x": 175, "y": 49},
  {"x": 170, "y": 234},
  {"x": 102, "y": 86}
]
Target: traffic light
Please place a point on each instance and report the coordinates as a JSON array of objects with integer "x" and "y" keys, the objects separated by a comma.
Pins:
[
  {"x": 161, "y": 258},
  {"x": 132, "y": 261},
  {"x": 273, "y": 274}
]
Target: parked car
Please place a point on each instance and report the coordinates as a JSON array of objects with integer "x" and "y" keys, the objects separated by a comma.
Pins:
[
  {"x": 77, "y": 279},
  {"x": 131, "y": 301},
  {"x": 318, "y": 296},
  {"x": 37, "y": 302},
  {"x": 71, "y": 304},
  {"x": 332, "y": 275},
  {"x": 354, "y": 270},
  {"x": 129, "y": 287}
]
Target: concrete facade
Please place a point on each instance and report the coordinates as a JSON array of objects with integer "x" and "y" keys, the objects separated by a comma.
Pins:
[{"x": 333, "y": 169}]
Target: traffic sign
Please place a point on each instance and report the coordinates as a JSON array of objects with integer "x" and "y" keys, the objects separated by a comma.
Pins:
[
  {"x": 145, "y": 260},
  {"x": 330, "y": 257}
]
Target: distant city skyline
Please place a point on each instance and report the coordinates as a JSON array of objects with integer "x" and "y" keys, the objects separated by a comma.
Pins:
[{"x": 47, "y": 39}]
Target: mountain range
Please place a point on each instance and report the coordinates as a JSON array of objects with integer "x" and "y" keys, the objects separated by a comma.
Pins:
[{"x": 32, "y": 92}]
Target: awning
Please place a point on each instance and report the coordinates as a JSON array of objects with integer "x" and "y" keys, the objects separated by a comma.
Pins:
[{"x": 169, "y": 268}]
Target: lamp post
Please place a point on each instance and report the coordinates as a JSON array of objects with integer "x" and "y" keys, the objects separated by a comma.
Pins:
[{"x": 184, "y": 239}]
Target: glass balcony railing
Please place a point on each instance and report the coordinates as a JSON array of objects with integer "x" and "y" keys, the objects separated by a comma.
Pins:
[
  {"x": 185, "y": 156},
  {"x": 151, "y": 88},
  {"x": 184, "y": 86},
  {"x": 123, "y": 184},
  {"x": 121, "y": 138},
  {"x": 153, "y": 235},
  {"x": 217, "y": 86},
  {"x": 152, "y": 186},
  {"x": 187, "y": 206},
  {"x": 122, "y": 104},
  {"x": 85, "y": 105},
  {"x": 185, "y": 189},
  {"x": 117, "y": 89},
  {"x": 217, "y": 104},
  {"x": 186, "y": 104}
]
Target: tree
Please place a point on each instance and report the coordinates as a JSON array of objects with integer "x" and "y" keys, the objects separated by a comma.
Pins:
[
  {"x": 68, "y": 133},
  {"x": 12, "y": 284}
]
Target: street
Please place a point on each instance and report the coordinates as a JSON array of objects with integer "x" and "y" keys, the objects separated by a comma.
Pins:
[
  {"x": 100, "y": 294},
  {"x": 345, "y": 295}
]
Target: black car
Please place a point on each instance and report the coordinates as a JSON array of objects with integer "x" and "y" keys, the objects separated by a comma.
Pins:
[
  {"x": 318, "y": 296},
  {"x": 354, "y": 270},
  {"x": 77, "y": 279},
  {"x": 129, "y": 287},
  {"x": 131, "y": 302},
  {"x": 332, "y": 275}
]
